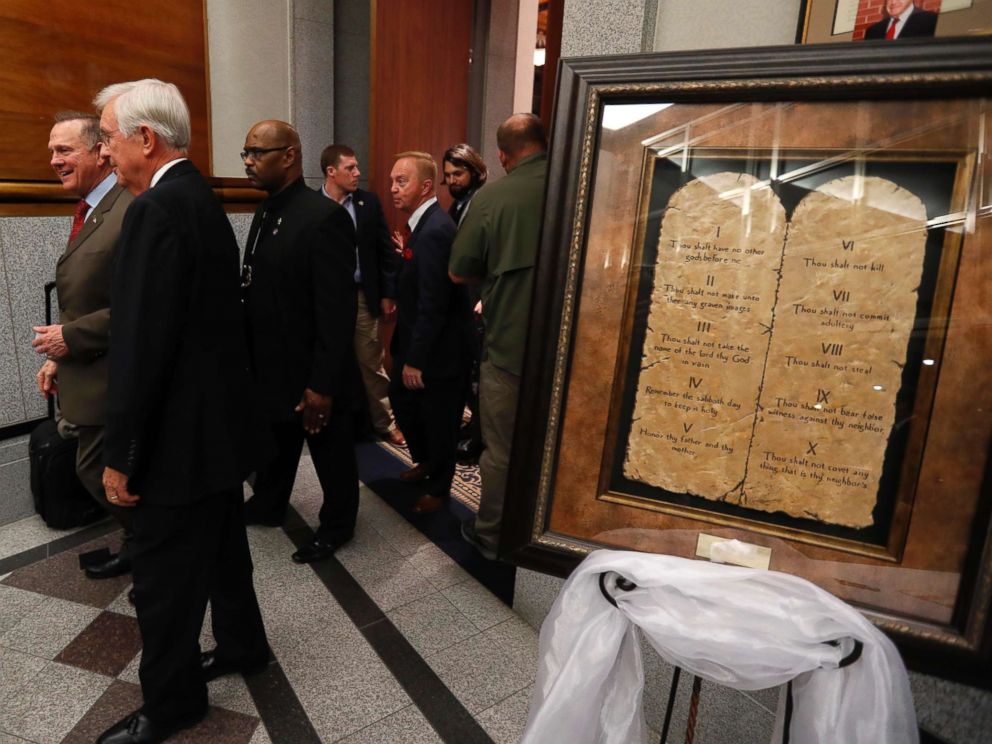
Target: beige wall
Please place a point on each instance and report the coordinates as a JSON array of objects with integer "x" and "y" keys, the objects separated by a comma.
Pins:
[
  {"x": 715, "y": 24},
  {"x": 249, "y": 50}
]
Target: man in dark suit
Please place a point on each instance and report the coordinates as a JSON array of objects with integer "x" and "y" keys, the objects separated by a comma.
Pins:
[
  {"x": 179, "y": 435},
  {"x": 375, "y": 276},
  {"x": 465, "y": 172},
  {"x": 903, "y": 20},
  {"x": 431, "y": 343},
  {"x": 300, "y": 298},
  {"x": 77, "y": 346}
]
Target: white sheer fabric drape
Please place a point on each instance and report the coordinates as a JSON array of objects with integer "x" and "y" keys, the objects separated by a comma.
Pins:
[{"x": 739, "y": 627}]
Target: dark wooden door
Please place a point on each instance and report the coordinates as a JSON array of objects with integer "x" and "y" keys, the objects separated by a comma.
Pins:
[{"x": 419, "y": 96}]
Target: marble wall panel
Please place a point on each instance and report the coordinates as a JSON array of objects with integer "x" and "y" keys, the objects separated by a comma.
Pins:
[
  {"x": 11, "y": 396},
  {"x": 602, "y": 27},
  {"x": 352, "y": 26},
  {"x": 15, "y": 490},
  {"x": 29, "y": 248},
  {"x": 314, "y": 10},
  {"x": 313, "y": 88},
  {"x": 14, "y": 449}
]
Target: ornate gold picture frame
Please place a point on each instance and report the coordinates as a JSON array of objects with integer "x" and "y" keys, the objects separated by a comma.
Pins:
[{"x": 762, "y": 322}]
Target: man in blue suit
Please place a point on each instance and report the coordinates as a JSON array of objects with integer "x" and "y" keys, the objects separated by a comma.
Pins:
[{"x": 431, "y": 345}]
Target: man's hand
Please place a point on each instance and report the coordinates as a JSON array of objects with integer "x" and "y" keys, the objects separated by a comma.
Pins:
[
  {"x": 316, "y": 409},
  {"x": 49, "y": 342},
  {"x": 399, "y": 242},
  {"x": 413, "y": 378},
  {"x": 47, "y": 384},
  {"x": 388, "y": 310},
  {"x": 115, "y": 486}
]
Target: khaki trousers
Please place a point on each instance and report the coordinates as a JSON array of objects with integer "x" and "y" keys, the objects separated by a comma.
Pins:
[
  {"x": 368, "y": 349},
  {"x": 498, "y": 394}
]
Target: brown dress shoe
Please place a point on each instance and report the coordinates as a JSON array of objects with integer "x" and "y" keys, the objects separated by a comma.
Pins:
[
  {"x": 428, "y": 504},
  {"x": 395, "y": 437},
  {"x": 414, "y": 475}
]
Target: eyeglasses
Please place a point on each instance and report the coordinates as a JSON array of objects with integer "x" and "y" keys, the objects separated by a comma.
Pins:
[
  {"x": 106, "y": 135},
  {"x": 255, "y": 153}
]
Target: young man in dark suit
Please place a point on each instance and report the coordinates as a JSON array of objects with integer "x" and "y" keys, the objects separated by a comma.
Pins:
[
  {"x": 77, "y": 346},
  {"x": 300, "y": 299},
  {"x": 903, "y": 21},
  {"x": 431, "y": 346},
  {"x": 375, "y": 276},
  {"x": 179, "y": 438}
]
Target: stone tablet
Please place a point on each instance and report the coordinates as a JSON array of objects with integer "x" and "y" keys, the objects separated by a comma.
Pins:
[
  {"x": 846, "y": 307},
  {"x": 719, "y": 251}
]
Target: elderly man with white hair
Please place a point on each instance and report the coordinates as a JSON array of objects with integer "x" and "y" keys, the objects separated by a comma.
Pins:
[{"x": 179, "y": 435}]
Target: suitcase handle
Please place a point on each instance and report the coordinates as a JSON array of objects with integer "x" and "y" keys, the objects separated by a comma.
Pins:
[{"x": 49, "y": 288}]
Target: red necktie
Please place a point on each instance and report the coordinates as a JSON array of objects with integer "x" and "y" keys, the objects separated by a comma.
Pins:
[
  {"x": 407, "y": 251},
  {"x": 78, "y": 219},
  {"x": 891, "y": 32}
]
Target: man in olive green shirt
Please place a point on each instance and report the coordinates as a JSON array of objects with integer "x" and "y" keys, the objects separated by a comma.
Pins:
[{"x": 497, "y": 245}]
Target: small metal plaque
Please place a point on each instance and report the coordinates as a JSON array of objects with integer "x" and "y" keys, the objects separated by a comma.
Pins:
[{"x": 722, "y": 550}]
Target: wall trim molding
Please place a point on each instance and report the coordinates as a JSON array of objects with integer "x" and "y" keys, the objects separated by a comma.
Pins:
[{"x": 47, "y": 198}]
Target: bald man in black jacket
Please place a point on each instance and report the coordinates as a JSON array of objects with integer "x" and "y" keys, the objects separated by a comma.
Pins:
[{"x": 301, "y": 303}]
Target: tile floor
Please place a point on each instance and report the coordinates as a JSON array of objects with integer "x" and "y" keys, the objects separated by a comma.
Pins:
[{"x": 430, "y": 650}]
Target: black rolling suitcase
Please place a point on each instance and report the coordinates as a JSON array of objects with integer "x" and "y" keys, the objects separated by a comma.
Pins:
[{"x": 59, "y": 496}]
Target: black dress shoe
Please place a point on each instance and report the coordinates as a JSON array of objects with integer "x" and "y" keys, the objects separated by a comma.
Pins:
[
  {"x": 137, "y": 728},
  {"x": 318, "y": 549},
  {"x": 215, "y": 666},
  {"x": 467, "y": 451},
  {"x": 117, "y": 565}
]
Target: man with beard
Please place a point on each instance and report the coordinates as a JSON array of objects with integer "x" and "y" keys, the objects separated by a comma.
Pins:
[
  {"x": 465, "y": 172},
  {"x": 300, "y": 301}
]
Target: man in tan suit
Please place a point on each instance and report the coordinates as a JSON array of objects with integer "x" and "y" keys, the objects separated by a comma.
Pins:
[{"x": 76, "y": 348}]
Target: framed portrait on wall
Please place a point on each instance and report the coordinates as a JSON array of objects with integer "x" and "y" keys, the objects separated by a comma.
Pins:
[
  {"x": 763, "y": 327},
  {"x": 829, "y": 21}
]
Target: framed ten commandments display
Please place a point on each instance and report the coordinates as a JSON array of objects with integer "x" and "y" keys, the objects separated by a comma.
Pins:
[{"x": 763, "y": 321}]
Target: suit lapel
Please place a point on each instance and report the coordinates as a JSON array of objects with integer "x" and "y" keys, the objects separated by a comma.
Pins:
[
  {"x": 94, "y": 220},
  {"x": 421, "y": 222}
]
